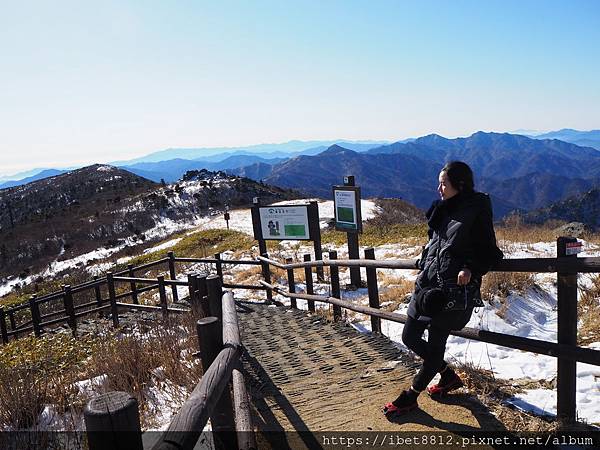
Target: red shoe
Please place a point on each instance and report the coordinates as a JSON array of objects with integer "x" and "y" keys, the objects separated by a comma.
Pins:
[
  {"x": 402, "y": 405},
  {"x": 441, "y": 389}
]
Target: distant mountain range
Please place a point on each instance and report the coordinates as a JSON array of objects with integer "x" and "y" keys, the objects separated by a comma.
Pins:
[
  {"x": 44, "y": 173},
  {"x": 214, "y": 154},
  {"x": 170, "y": 165},
  {"x": 581, "y": 138},
  {"x": 519, "y": 172}
]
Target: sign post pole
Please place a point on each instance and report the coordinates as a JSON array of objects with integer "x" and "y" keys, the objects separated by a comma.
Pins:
[
  {"x": 347, "y": 213},
  {"x": 315, "y": 234}
]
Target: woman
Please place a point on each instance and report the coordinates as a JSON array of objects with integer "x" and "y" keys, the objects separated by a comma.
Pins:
[{"x": 461, "y": 249}]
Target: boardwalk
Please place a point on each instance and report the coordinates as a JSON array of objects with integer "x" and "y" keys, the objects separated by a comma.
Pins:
[{"x": 306, "y": 374}]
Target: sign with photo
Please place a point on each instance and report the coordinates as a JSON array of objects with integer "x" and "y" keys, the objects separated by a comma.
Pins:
[
  {"x": 284, "y": 222},
  {"x": 346, "y": 204}
]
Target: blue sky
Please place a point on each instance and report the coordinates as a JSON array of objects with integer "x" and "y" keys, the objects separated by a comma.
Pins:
[{"x": 84, "y": 82}]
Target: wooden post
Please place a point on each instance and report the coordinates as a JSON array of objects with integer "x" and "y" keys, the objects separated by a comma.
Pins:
[
  {"x": 210, "y": 337},
  {"x": 243, "y": 410},
  {"x": 215, "y": 295},
  {"x": 353, "y": 253},
  {"x": 309, "y": 283},
  {"x": 334, "y": 275},
  {"x": 373, "y": 290},
  {"x": 262, "y": 246},
  {"x": 353, "y": 245},
  {"x": 266, "y": 271},
  {"x": 566, "y": 382},
  {"x": 173, "y": 276},
  {"x": 203, "y": 295},
  {"x": 35, "y": 315},
  {"x": 193, "y": 295},
  {"x": 112, "y": 422},
  {"x": 114, "y": 309},
  {"x": 69, "y": 308},
  {"x": 291, "y": 283},
  {"x": 3, "y": 330},
  {"x": 315, "y": 233},
  {"x": 134, "y": 297},
  {"x": 97, "y": 292},
  {"x": 162, "y": 292},
  {"x": 13, "y": 323},
  {"x": 219, "y": 266}
]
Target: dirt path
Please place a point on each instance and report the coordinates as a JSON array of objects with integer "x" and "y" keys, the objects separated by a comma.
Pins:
[{"x": 308, "y": 374}]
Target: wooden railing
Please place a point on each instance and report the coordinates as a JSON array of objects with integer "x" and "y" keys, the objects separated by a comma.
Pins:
[
  {"x": 66, "y": 310},
  {"x": 566, "y": 267},
  {"x": 220, "y": 352}
]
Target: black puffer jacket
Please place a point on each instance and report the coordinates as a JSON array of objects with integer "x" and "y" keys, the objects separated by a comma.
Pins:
[{"x": 461, "y": 235}]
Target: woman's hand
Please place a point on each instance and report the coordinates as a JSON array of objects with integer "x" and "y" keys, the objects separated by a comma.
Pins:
[{"x": 464, "y": 276}]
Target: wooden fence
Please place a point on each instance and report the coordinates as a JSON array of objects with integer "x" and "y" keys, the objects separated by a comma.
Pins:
[
  {"x": 64, "y": 307},
  {"x": 565, "y": 266},
  {"x": 220, "y": 351}
]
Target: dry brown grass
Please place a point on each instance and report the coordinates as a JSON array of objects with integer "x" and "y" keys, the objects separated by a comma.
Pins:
[
  {"x": 513, "y": 229},
  {"x": 503, "y": 283},
  {"x": 35, "y": 372},
  {"x": 394, "y": 289},
  {"x": 588, "y": 310},
  {"x": 251, "y": 275},
  {"x": 132, "y": 363},
  {"x": 493, "y": 392},
  {"x": 23, "y": 393}
]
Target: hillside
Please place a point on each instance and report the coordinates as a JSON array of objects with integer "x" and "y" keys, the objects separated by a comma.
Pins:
[
  {"x": 103, "y": 206},
  {"x": 584, "y": 208}
]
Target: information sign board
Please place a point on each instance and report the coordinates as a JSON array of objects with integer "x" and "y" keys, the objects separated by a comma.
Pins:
[
  {"x": 278, "y": 222},
  {"x": 346, "y": 205}
]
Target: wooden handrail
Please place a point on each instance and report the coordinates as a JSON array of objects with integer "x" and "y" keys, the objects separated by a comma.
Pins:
[
  {"x": 554, "y": 349},
  {"x": 186, "y": 426},
  {"x": 250, "y": 262},
  {"x": 574, "y": 265}
]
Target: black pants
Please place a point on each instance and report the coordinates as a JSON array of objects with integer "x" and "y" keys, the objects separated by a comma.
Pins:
[{"x": 431, "y": 351}]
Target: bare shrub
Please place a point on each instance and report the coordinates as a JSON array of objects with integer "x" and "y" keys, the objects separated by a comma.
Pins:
[
  {"x": 23, "y": 394},
  {"x": 163, "y": 356}
]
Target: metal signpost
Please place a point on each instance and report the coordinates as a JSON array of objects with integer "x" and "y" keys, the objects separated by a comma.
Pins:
[
  {"x": 226, "y": 216},
  {"x": 348, "y": 218}
]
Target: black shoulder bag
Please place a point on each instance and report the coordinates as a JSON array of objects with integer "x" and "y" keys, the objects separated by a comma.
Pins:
[{"x": 458, "y": 297}]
